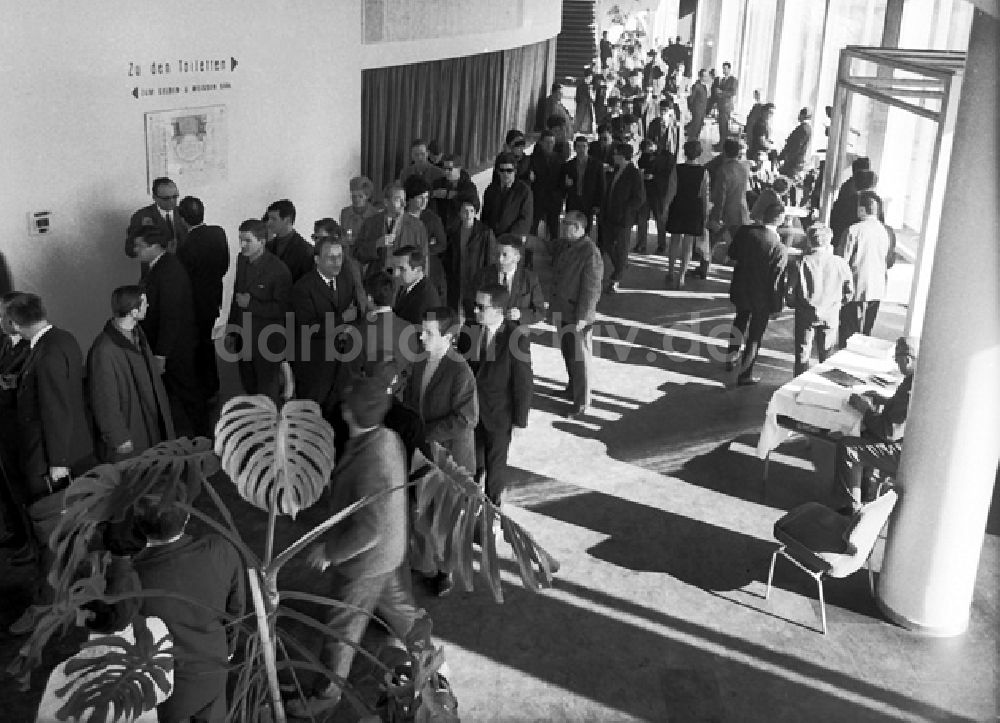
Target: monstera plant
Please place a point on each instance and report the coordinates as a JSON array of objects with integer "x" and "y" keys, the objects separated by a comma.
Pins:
[{"x": 281, "y": 461}]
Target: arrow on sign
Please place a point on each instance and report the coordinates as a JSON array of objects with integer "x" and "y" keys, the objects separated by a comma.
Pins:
[
  {"x": 233, "y": 63},
  {"x": 135, "y": 93}
]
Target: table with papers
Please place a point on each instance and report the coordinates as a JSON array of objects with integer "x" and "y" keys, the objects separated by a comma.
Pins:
[{"x": 817, "y": 399}]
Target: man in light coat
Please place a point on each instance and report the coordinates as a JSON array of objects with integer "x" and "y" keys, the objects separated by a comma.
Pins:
[{"x": 869, "y": 252}]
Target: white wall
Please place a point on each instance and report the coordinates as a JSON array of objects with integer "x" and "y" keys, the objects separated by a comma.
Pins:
[
  {"x": 74, "y": 136},
  {"x": 489, "y": 26}
]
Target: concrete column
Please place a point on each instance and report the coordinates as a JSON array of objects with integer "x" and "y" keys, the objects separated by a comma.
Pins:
[
  {"x": 880, "y": 112},
  {"x": 779, "y": 25},
  {"x": 952, "y": 445}
]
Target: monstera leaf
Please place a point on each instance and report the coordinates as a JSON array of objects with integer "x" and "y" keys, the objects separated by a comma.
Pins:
[
  {"x": 280, "y": 459},
  {"x": 121, "y": 680},
  {"x": 451, "y": 508}
]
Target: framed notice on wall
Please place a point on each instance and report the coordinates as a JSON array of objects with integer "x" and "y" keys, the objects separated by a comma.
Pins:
[{"x": 190, "y": 146}]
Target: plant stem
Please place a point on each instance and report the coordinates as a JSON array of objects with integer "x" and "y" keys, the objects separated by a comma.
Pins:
[
  {"x": 272, "y": 516},
  {"x": 267, "y": 644}
]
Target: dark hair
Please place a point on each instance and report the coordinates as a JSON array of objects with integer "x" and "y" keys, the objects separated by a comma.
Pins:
[
  {"x": 125, "y": 300},
  {"x": 381, "y": 287},
  {"x": 152, "y": 236},
  {"x": 869, "y": 202},
  {"x": 865, "y": 180},
  {"x": 414, "y": 186},
  {"x": 445, "y": 317},
  {"x": 25, "y": 309},
  {"x": 645, "y": 144},
  {"x": 417, "y": 142},
  {"x": 512, "y": 240},
  {"x": 498, "y": 293},
  {"x": 861, "y": 163},
  {"x": 415, "y": 257},
  {"x": 506, "y": 157},
  {"x": 772, "y": 213},
  {"x": 157, "y": 182},
  {"x": 546, "y": 134},
  {"x": 555, "y": 121},
  {"x": 192, "y": 210},
  {"x": 556, "y": 86},
  {"x": 284, "y": 208},
  {"x": 581, "y": 139},
  {"x": 512, "y": 135},
  {"x": 731, "y": 148},
  {"x": 452, "y": 158},
  {"x": 325, "y": 241},
  {"x": 727, "y": 64},
  {"x": 624, "y": 150},
  {"x": 157, "y": 521},
  {"x": 330, "y": 226},
  {"x": 692, "y": 149},
  {"x": 254, "y": 226},
  {"x": 434, "y": 148}
]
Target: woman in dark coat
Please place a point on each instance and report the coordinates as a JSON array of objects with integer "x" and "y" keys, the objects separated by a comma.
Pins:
[
  {"x": 471, "y": 248},
  {"x": 688, "y": 209}
]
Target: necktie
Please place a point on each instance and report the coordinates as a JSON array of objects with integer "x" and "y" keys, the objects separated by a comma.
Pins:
[
  {"x": 170, "y": 224},
  {"x": 503, "y": 279},
  {"x": 332, "y": 283}
]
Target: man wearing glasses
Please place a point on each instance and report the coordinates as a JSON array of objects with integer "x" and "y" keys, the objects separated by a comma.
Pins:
[
  {"x": 160, "y": 215},
  {"x": 507, "y": 205}
]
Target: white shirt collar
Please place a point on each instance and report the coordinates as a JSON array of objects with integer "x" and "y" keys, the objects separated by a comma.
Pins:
[
  {"x": 15, "y": 339},
  {"x": 39, "y": 335},
  {"x": 326, "y": 279},
  {"x": 153, "y": 262}
]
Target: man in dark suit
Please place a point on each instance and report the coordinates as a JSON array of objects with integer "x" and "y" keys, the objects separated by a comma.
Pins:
[
  {"x": 757, "y": 289},
  {"x": 14, "y": 351},
  {"x": 501, "y": 363},
  {"x": 171, "y": 329},
  {"x": 389, "y": 230},
  {"x": 583, "y": 180},
  {"x": 208, "y": 569},
  {"x": 726, "y": 99},
  {"x": 622, "y": 200},
  {"x": 56, "y": 442},
  {"x": 656, "y": 165},
  {"x": 323, "y": 300},
  {"x": 507, "y": 202},
  {"x": 385, "y": 336},
  {"x": 606, "y": 50},
  {"x": 159, "y": 217},
  {"x": 261, "y": 297},
  {"x": 526, "y": 304},
  {"x": 205, "y": 256},
  {"x": 127, "y": 396},
  {"x": 287, "y": 244},
  {"x": 793, "y": 155},
  {"x": 698, "y": 105},
  {"x": 416, "y": 292},
  {"x": 471, "y": 247},
  {"x": 452, "y": 190}
]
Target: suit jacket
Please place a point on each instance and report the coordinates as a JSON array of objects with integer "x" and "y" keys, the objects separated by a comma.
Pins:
[
  {"x": 51, "y": 412},
  {"x": 624, "y": 198},
  {"x": 411, "y": 305},
  {"x": 729, "y": 193},
  {"x": 370, "y": 249},
  {"x": 319, "y": 314},
  {"x": 269, "y": 283},
  {"x": 127, "y": 395},
  {"x": 525, "y": 292},
  {"x": 149, "y": 217},
  {"x": 294, "y": 252},
  {"x": 373, "y": 540},
  {"x": 205, "y": 256},
  {"x": 578, "y": 269},
  {"x": 508, "y": 211},
  {"x": 659, "y": 165},
  {"x": 759, "y": 282},
  {"x": 793, "y": 155},
  {"x": 503, "y": 378},
  {"x": 666, "y": 137},
  {"x": 481, "y": 249},
  {"x": 210, "y": 570},
  {"x": 589, "y": 194},
  {"x": 727, "y": 92},
  {"x": 12, "y": 360},
  {"x": 386, "y": 336},
  {"x": 698, "y": 100},
  {"x": 449, "y": 406},
  {"x": 889, "y": 422},
  {"x": 546, "y": 189},
  {"x": 170, "y": 321}
]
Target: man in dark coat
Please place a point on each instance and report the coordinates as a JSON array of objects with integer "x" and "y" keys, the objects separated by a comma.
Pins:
[
  {"x": 388, "y": 231},
  {"x": 656, "y": 164},
  {"x": 127, "y": 397},
  {"x": 585, "y": 120},
  {"x": 261, "y": 297},
  {"x": 501, "y": 363},
  {"x": 507, "y": 202},
  {"x": 13, "y": 355},
  {"x": 416, "y": 292},
  {"x": 546, "y": 191},
  {"x": 583, "y": 181},
  {"x": 159, "y": 217},
  {"x": 526, "y": 304},
  {"x": 208, "y": 569},
  {"x": 606, "y": 50},
  {"x": 287, "y": 244},
  {"x": 323, "y": 300},
  {"x": 452, "y": 190},
  {"x": 793, "y": 155},
  {"x": 757, "y": 289},
  {"x": 205, "y": 256},
  {"x": 698, "y": 105},
  {"x": 622, "y": 200},
  {"x": 726, "y": 99},
  {"x": 418, "y": 195},
  {"x": 471, "y": 247},
  {"x": 172, "y": 332}
]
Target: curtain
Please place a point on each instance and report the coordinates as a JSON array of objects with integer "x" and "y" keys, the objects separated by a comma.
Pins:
[{"x": 466, "y": 104}]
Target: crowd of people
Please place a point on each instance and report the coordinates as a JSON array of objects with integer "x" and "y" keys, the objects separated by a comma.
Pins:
[{"x": 407, "y": 321}]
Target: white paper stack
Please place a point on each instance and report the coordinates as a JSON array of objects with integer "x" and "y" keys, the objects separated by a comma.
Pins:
[
  {"x": 869, "y": 346},
  {"x": 824, "y": 397}
]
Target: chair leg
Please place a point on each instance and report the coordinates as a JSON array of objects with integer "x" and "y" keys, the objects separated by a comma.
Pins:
[
  {"x": 822, "y": 602},
  {"x": 770, "y": 572}
]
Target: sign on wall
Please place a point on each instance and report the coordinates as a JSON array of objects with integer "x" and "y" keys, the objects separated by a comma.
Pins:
[{"x": 189, "y": 145}]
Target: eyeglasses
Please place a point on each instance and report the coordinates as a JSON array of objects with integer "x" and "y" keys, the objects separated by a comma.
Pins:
[
  {"x": 169, "y": 198},
  {"x": 506, "y": 170}
]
